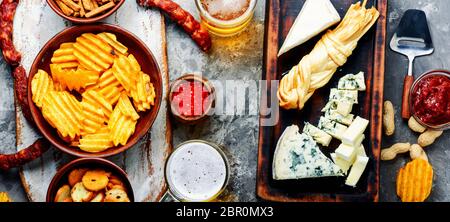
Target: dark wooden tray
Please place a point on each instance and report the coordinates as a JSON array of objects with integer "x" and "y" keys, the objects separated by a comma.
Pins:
[{"x": 368, "y": 57}]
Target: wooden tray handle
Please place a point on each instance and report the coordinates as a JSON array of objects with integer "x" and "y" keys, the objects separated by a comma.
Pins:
[{"x": 406, "y": 113}]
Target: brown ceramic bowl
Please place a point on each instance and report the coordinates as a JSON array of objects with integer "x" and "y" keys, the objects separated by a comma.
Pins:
[
  {"x": 60, "y": 177},
  {"x": 136, "y": 47},
  {"x": 194, "y": 119},
  {"x": 78, "y": 20}
]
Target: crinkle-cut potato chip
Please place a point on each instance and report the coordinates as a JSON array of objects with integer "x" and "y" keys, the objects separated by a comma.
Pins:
[
  {"x": 40, "y": 86},
  {"x": 108, "y": 79},
  {"x": 63, "y": 111},
  {"x": 94, "y": 118},
  {"x": 93, "y": 53},
  {"x": 121, "y": 126},
  {"x": 144, "y": 94},
  {"x": 414, "y": 181},
  {"x": 112, "y": 93},
  {"x": 73, "y": 79},
  {"x": 64, "y": 56},
  {"x": 125, "y": 73},
  {"x": 95, "y": 143},
  {"x": 134, "y": 63},
  {"x": 125, "y": 106},
  {"x": 111, "y": 39},
  {"x": 97, "y": 99}
]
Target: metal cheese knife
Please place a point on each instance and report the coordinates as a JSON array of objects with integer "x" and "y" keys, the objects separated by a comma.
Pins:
[{"x": 412, "y": 39}]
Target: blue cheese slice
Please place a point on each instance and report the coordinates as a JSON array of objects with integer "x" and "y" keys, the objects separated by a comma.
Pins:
[
  {"x": 297, "y": 156},
  {"x": 332, "y": 127},
  {"x": 350, "y": 96},
  {"x": 318, "y": 135},
  {"x": 315, "y": 17},
  {"x": 353, "y": 82}
]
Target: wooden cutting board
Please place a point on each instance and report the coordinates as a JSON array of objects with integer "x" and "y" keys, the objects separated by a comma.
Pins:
[
  {"x": 369, "y": 58},
  {"x": 35, "y": 23}
]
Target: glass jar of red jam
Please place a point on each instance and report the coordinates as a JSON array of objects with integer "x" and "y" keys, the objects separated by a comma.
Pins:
[
  {"x": 191, "y": 98},
  {"x": 430, "y": 99}
]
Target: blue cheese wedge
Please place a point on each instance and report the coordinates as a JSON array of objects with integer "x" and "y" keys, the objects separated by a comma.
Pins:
[
  {"x": 352, "y": 82},
  {"x": 357, "y": 170},
  {"x": 297, "y": 156},
  {"x": 354, "y": 131},
  {"x": 332, "y": 127},
  {"x": 315, "y": 17},
  {"x": 318, "y": 135}
]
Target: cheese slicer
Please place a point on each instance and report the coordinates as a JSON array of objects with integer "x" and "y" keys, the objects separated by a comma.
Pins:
[{"x": 412, "y": 39}]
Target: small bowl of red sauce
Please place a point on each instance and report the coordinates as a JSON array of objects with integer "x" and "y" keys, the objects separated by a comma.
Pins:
[
  {"x": 430, "y": 99},
  {"x": 191, "y": 98}
]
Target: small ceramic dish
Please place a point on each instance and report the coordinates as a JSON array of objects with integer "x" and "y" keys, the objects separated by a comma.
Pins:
[
  {"x": 81, "y": 20},
  {"x": 207, "y": 106},
  {"x": 61, "y": 177},
  {"x": 143, "y": 56}
]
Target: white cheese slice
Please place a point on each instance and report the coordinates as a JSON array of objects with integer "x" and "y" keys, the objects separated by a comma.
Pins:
[
  {"x": 353, "y": 82},
  {"x": 297, "y": 156},
  {"x": 315, "y": 17},
  {"x": 344, "y": 107},
  {"x": 355, "y": 130},
  {"x": 361, "y": 151},
  {"x": 357, "y": 170},
  {"x": 332, "y": 127},
  {"x": 318, "y": 135},
  {"x": 343, "y": 164},
  {"x": 357, "y": 142},
  {"x": 346, "y": 152}
]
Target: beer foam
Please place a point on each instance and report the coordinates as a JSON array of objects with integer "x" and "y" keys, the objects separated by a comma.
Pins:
[
  {"x": 196, "y": 171},
  {"x": 226, "y": 9}
]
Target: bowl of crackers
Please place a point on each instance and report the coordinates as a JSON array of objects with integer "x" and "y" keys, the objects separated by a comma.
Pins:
[
  {"x": 94, "y": 90},
  {"x": 90, "y": 180},
  {"x": 85, "y": 11}
]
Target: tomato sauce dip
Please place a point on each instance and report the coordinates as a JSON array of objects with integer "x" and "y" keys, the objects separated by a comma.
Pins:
[
  {"x": 190, "y": 98},
  {"x": 431, "y": 99}
]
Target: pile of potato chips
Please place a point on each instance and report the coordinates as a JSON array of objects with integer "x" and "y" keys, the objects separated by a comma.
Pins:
[{"x": 99, "y": 69}]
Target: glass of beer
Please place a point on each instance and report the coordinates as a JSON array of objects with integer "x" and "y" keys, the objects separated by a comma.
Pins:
[
  {"x": 196, "y": 171},
  {"x": 226, "y": 17}
]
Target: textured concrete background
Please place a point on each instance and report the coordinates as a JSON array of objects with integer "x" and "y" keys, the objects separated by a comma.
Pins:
[{"x": 241, "y": 58}]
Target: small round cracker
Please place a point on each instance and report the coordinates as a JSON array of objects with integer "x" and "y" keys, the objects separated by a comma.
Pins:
[
  {"x": 116, "y": 195},
  {"x": 76, "y": 175},
  {"x": 95, "y": 180}
]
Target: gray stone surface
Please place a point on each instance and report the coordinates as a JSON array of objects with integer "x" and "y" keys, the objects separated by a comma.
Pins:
[
  {"x": 241, "y": 58},
  {"x": 439, "y": 153}
]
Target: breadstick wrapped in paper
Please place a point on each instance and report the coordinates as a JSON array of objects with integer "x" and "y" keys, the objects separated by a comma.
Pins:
[{"x": 316, "y": 69}]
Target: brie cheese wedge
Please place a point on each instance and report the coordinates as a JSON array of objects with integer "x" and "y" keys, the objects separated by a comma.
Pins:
[
  {"x": 297, "y": 156},
  {"x": 315, "y": 17}
]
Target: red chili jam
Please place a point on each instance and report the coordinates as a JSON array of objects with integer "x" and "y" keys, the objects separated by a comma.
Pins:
[
  {"x": 431, "y": 100},
  {"x": 191, "y": 98}
]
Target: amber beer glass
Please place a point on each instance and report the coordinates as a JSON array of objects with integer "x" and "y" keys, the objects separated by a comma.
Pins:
[
  {"x": 196, "y": 171},
  {"x": 226, "y": 17}
]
